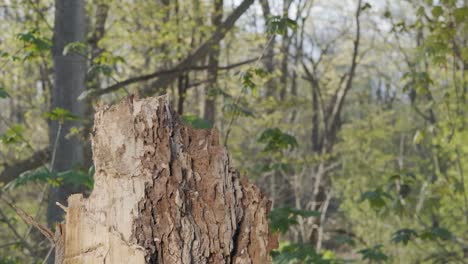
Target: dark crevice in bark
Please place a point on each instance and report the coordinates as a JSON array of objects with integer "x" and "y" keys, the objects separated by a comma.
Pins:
[{"x": 235, "y": 239}]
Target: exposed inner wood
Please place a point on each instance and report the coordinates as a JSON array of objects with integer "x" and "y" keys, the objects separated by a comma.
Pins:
[{"x": 163, "y": 193}]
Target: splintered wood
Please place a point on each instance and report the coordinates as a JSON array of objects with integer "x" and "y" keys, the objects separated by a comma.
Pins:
[{"x": 163, "y": 193}]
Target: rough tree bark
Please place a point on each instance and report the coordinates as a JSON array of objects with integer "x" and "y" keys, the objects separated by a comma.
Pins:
[{"x": 164, "y": 193}]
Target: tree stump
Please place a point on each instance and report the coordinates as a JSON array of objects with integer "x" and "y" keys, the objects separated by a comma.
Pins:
[{"x": 164, "y": 192}]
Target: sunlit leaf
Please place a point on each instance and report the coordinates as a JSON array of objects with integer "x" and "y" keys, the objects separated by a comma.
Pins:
[
  {"x": 60, "y": 114},
  {"x": 34, "y": 43},
  {"x": 279, "y": 25},
  {"x": 418, "y": 137},
  {"x": 12, "y": 135},
  {"x": 75, "y": 47}
]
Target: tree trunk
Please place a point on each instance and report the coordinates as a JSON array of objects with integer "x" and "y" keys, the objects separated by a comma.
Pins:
[
  {"x": 70, "y": 73},
  {"x": 269, "y": 60},
  {"x": 213, "y": 60},
  {"x": 164, "y": 193}
]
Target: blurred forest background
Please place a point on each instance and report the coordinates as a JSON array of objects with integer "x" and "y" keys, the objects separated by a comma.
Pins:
[{"x": 350, "y": 115}]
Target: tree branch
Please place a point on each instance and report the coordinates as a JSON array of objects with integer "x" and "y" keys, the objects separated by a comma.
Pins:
[
  {"x": 340, "y": 94},
  {"x": 10, "y": 172},
  {"x": 174, "y": 70},
  {"x": 185, "y": 64}
]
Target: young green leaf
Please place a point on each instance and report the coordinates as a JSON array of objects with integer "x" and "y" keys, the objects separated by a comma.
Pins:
[
  {"x": 279, "y": 25},
  {"x": 33, "y": 43},
  {"x": 60, "y": 114},
  {"x": 75, "y": 47},
  {"x": 12, "y": 135}
]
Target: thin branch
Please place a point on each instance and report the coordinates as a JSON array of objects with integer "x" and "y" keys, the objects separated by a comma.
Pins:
[
  {"x": 29, "y": 220},
  {"x": 160, "y": 73},
  {"x": 188, "y": 62},
  {"x": 10, "y": 172},
  {"x": 340, "y": 94},
  {"x": 17, "y": 235}
]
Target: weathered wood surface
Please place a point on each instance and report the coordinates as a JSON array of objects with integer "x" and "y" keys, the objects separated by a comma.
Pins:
[{"x": 163, "y": 193}]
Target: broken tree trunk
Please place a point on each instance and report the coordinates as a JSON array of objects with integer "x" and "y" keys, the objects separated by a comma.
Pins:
[{"x": 164, "y": 193}]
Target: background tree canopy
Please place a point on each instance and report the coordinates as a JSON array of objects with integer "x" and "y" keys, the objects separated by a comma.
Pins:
[{"x": 350, "y": 115}]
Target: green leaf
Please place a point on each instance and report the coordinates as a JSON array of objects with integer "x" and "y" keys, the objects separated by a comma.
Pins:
[
  {"x": 281, "y": 219},
  {"x": 279, "y": 25},
  {"x": 405, "y": 190},
  {"x": 373, "y": 254},
  {"x": 107, "y": 58},
  {"x": 418, "y": 137},
  {"x": 100, "y": 69},
  {"x": 3, "y": 93},
  {"x": 41, "y": 174},
  {"x": 404, "y": 236},
  {"x": 276, "y": 140},
  {"x": 214, "y": 92},
  {"x": 344, "y": 240},
  {"x": 10, "y": 260},
  {"x": 436, "y": 233},
  {"x": 461, "y": 14},
  {"x": 247, "y": 80},
  {"x": 77, "y": 177},
  {"x": 4, "y": 54},
  {"x": 76, "y": 47},
  {"x": 387, "y": 14},
  {"x": 301, "y": 253},
  {"x": 196, "y": 122},
  {"x": 34, "y": 44},
  {"x": 60, "y": 114},
  {"x": 375, "y": 198},
  {"x": 12, "y": 135},
  {"x": 236, "y": 109},
  {"x": 366, "y": 6},
  {"x": 437, "y": 11}
]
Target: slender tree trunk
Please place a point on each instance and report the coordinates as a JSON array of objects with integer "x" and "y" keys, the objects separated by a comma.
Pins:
[
  {"x": 285, "y": 48},
  {"x": 70, "y": 72},
  {"x": 163, "y": 193},
  {"x": 213, "y": 60},
  {"x": 269, "y": 60}
]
